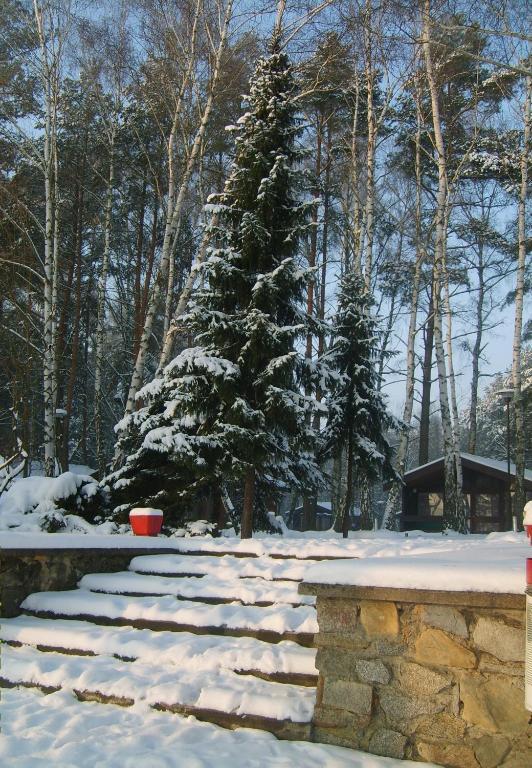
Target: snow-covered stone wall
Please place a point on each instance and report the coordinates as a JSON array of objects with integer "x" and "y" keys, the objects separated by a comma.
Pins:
[
  {"x": 426, "y": 675},
  {"x": 24, "y": 571}
]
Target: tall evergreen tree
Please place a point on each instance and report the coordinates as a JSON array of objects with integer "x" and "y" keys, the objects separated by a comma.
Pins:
[
  {"x": 357, "y": 416},
  {"x": 231, "y": 407}
]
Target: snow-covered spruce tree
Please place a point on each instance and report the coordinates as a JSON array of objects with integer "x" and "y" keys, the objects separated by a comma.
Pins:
[
  {"x": 357, "y": 416},
  {"x": 230, "y": 409}
]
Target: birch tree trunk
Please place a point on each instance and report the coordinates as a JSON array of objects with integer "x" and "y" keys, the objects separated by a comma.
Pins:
[
  {"x": 48, "y": 65},
  {"x": 454, "y": 513},
  {"x": 100, "y": 320},
  {"x": 173, "y": 217},
  {"x": 372, "y": 137},
  {"x": 393, "y": 502},
  {"x": 357, "y": 265},
  {"x": 477, "y": 347},
  {"x": 426, "y": 384},
  {"x": 184, "y": 298},
  {"x": 309, "y": 502},
  {"x": 518, "y": 320},
  {"x": 450, "y": 359}
]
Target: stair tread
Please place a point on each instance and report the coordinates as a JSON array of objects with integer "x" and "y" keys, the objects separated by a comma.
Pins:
[
  {"x": 279, "y": 618},
  {"x": 247, "y": 590},
  {"x": 223, "y": 566},
  {"x": 216, "y": 690},
  {"x": 178, "y": 649}
]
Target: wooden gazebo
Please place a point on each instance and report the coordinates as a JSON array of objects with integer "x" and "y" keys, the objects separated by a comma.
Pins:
[{"x": 485, "y": 488}]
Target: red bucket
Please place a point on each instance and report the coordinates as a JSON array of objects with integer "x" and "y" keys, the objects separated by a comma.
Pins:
[{"x": 146, "y": 521}]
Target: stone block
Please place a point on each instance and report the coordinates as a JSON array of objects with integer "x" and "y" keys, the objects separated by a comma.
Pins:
[
  {"x": 355, "y": 697},
  {"x": 493, "y": 704},
  {"x": 416, "y": 679},
  {"x": 336, "y": 616},
  {"x": 340, "y": 641},
  {"x": 442, "y": 727},
  {"x": 436, "y": 648},
  {"x": 444, "y": 617},
  {"x": 379, "y": 618},
  {"x": 388, "y": 743},
  {"x": 449, "y": 755},
  {"x": 338, "y": 738},
  {"x": 489, "y": 664},
  {"x": 337, "y": 665},
  {"x": 517, "y": 760},
  {"x": 372, "y": 671},
  {"x": 385, "y": 646},
  {"x": 502, "y": 641},
  {"x": 399, "y": 708},
  {"x": 490, "y": 750},
  {"x": 331, "y": 718}
]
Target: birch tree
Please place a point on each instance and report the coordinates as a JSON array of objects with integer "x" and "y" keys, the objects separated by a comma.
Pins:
[
  {"x": 176, "y": 193},
  {"x": 454, "y": 511},
  {"x": 520, "y": 435},
  {"x": 49, "y": 24},
  {"x": 393, "y": 502}
]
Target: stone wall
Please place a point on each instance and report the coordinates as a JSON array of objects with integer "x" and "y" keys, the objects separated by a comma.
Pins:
[
  {"x": 429, "y": 676},
  {"x": 23, "y": 571}
]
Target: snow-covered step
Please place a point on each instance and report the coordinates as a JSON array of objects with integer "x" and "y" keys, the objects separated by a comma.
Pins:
[
  {"x": 224, "y": 566},
  {"x": 182, "y": 650},
  {"x": 209, "y": 588},
  {"x": 272, "y": 623},
  {"x": 108, "y": 679}
]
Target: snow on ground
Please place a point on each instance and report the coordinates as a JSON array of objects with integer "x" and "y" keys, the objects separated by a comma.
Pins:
[{"x": 60, "y": 731}]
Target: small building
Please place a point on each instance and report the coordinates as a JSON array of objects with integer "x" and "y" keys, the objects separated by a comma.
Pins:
[
  {"x": 485, "y": 488},
  {"x": 324, "y": 517}
]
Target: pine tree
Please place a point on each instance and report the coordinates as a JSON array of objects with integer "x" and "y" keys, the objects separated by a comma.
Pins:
[
  {"x": 357, "y": 416},
  {"x": 231, "y": 408}
]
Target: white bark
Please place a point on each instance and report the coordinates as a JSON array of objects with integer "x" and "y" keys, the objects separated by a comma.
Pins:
[
  {"x": 182, "y": 303},
  {"x": 372, "y": 138},
  {"x": 518, "y": 320},
  {"x": 393, "y": 502},
  {"x": 449, "y": 348},
  {"x": 357, "y": 266},
  {"x": 453, "y": 506},
  {"x": 100, "y": 322},
  {"x": 174, "y": 210},
  {"x": 48, "y": 74}
]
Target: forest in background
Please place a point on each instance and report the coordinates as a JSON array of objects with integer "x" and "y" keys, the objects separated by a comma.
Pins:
[{"x": 113, "y": 117}]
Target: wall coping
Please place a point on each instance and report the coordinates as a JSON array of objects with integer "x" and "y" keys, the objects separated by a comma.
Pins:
[
  {"x": 504, "y": 600},
  {"x": 102, "y": 551}
]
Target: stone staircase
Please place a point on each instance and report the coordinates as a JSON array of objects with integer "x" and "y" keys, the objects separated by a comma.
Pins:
[{"x": 224, "y": 638}]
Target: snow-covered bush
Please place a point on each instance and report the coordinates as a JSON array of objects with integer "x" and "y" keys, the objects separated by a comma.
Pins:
[
  {"x": 193, "y": 528},
  {"x": 51, "y": 503}
]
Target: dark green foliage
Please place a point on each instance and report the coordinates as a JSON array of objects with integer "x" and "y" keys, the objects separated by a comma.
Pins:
[
  {"x": 233, "y": 401},
  {"x": 358, "y": 420}
]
